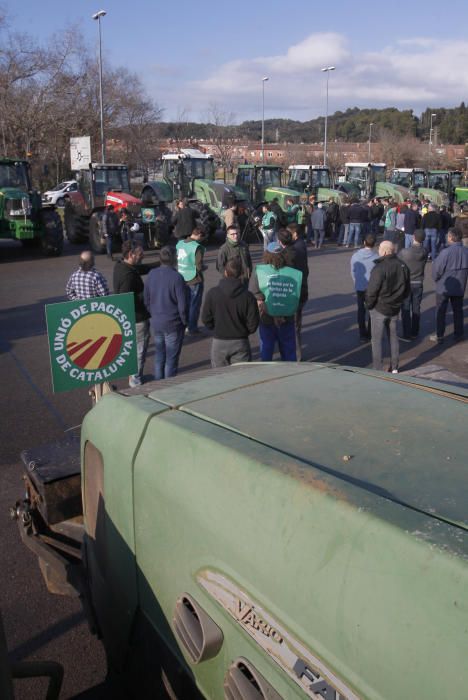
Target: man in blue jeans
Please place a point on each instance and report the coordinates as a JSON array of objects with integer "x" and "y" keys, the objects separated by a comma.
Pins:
[
  {"x": 356, "y": 215},
  {"x": 190, "y": 265},
  {"x": 166, "y": 300},
  {"x": 431, "y": 226},
  {"x": 450, "y": 273},
  {"x": 277, "y": 289}
]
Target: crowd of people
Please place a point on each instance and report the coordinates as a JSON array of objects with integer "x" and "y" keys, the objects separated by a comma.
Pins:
[{"x": 270, "y": 296}]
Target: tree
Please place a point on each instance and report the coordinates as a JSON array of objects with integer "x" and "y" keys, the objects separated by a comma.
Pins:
[{"x": 223, "y": 136}]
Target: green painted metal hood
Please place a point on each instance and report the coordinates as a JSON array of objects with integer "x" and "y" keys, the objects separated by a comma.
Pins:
[
  {"x": 12, "y": 193},
  {"x": 401, "y": 440}
]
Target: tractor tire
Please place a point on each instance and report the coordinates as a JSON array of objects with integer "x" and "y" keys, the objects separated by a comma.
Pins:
[
  {"x": 74, "y": 225},
  {"x": 52, "y": 233},
  {"x": 208, "y": 220},
  {"x": 95, "y": 241}
]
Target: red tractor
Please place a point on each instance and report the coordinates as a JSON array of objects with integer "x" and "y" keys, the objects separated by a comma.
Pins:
[{"x": 99, "y": 186}]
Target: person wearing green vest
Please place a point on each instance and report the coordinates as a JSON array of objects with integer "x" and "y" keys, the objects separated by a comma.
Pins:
[
  {"x": 190, "y": 266},
  {"x": 268, "y": 226},
  {"x": 277, "y": 288}
]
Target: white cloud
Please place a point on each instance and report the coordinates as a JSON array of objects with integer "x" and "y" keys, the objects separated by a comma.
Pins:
[{"x": 407, "y": 74}]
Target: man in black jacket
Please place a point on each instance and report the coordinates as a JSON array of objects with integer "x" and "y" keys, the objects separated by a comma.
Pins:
[
  {"x": 231, "y": 311},
  {"x": 415, "y": 258},
  {"x": 184, "y": 220},
  {"x": 389, "y": 285},
  {"x": 127, "y": 278}
]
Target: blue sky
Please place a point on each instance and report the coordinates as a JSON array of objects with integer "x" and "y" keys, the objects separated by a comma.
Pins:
[{"x": 191, "y": 55}]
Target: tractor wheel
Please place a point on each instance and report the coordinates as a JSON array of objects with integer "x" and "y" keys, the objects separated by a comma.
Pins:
[
  {"x": 208, "y": 221},
  {"x": 52, "y": 233},
  {"x": 73, "y": 225},
  {"x": 95, "y": 241}
]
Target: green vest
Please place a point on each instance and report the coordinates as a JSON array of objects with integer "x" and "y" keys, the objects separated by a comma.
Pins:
[
  {"x": 281, "y": 289},
  {"x": 186, "y": 264}
]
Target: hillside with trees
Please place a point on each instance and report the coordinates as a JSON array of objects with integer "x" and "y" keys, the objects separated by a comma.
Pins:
[{"x": 450, "y": 126}]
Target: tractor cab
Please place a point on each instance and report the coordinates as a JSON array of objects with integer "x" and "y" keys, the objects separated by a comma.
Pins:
[
  {"x": 308, "y": 178},
  {"x": 445, "y": 181},
  {"x": 316, "y": 180},
  {"x": 99, "y": 180},
  {"x": 369, "y": 180},
  {"x": 262, "y": 183},
  {"x": 15, "y": 175},
  {"x": 416, "y": 180},
  {"x": 412, "y": 178},
  {"x": 182, "y": 168}
]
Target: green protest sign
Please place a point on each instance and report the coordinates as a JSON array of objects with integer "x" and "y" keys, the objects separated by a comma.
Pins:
[{"x": 91, "y": 340}]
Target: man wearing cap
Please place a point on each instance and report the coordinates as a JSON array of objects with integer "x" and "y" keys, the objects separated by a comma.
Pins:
[{"x": 277, "y": 289}]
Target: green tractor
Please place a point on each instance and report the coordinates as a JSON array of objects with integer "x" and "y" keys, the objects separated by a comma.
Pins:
[
  {"x": 23, "y": 217},
  {"x": 368, "y": 180},
  {"x": 316, "y": 180},
  {"x": 461, "y": 195},
  {"x": 262, "y": 183},
  {"x": 416, "y": 180},
  {"x": 445, "y": 181},
  {"x": 189, "y": 173}
]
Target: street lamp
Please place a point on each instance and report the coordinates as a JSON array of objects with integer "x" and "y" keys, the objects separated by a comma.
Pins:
[
  {"x": 326, "y": 70},
  {"x": 98, "y": 15},
  {"x": 370, "y": 139},
  {"x": 430, "y": 135},
  {"x": 263, "y": 117}
]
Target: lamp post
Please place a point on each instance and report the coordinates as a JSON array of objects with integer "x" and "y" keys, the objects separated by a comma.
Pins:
[
  {"x": 370, "y": 139},
  {"x": 97, "y": 16},
  {"x": 263, "y": 117},
  {"x": 326, "y": 70},
  {"x": 430, "y": 136}
]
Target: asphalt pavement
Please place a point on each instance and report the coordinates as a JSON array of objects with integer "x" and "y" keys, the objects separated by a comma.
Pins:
[{"x": 43, "y": 626}]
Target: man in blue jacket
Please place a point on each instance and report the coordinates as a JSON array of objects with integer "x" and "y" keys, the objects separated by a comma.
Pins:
[
  {"x": 450, "y": 273},
  {"x": 166, "y": 300}
]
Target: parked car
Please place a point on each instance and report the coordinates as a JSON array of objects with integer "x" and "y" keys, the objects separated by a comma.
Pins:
[{"x": 57, "y": 194}]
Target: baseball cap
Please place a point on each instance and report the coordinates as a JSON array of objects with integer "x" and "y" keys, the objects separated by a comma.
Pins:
[{"x": 274, "y": 247}]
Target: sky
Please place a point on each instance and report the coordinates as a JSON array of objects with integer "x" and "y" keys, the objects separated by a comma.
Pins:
[{"x": 191, "y": 55}]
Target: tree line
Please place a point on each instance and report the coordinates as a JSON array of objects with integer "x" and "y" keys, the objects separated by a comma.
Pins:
[{"x": 450, "y": 125}]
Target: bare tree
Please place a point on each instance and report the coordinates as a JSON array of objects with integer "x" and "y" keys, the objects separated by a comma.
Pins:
[
  {"x": 49, "y": 94},
  {"x": 223, "y": 136},
  {"x": 397, "y": 150}
]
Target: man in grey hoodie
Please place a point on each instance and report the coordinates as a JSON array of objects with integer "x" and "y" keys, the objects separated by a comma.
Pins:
[
  {"x": 362, "y": 263},
  {"x": 318, "y": 225}
]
